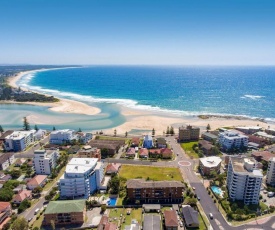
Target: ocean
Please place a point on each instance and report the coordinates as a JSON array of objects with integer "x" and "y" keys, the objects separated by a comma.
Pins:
[{"x": 185, "y": 91}]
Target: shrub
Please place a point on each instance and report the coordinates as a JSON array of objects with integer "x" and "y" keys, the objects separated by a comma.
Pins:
[{"x": 215, "y": 201}]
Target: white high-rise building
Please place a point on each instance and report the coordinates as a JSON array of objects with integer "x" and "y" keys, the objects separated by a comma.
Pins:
[
  {"x": 270, "y": 175},
  {"x": 44, "y": 161},
  {"x": 229, "y": 139},
  {"x": 19, "y": 140},
  {"x": 82, "y": 177},
  {"x": 244, "y": 180},
  {"x": 62, "y": 136}
]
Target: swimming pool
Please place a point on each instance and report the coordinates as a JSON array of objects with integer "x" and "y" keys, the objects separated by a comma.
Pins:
[
  {"x": 217, "y": 190},
  {"x": 112, "y": 201}
]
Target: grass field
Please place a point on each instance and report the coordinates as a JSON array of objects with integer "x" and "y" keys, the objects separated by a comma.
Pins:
[
  {"x": 135, "y": 214},
  {"x": 188, "y": 149},
  {"x": 153, "y": 173},
  {"x": 127, "y": 140}
]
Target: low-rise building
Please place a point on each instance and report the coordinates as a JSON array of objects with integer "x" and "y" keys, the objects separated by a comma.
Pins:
[
  {"x": 62, "y": 136},
  {"x": 189, "y": 133},
  {"x": 37, "y": 181},
  {"x": 170, "y": 220},
  {"x": 190, "y": 216},
  {"x": 270, "y": 175},
  {"x": 65, "y": 212},
  {"x": 5, "y": 211},
  {"x": 111, "y": 146},
  {"x": 206, "y": 147},
  {"x": 249, "y": 129},
  {"x": 258, "y": 140},
  {"x": 6, "y": 159},
  {"x": 148, "y": 142},
  {"x": 270, "y": 131},
  {"x": 141, "y": 191},
  {"x": 232, "y": 140},
  {"x": 161, "y": 143},
  {"x": 210, "y": 164},
  {"x": 208, "y": 136},
  {"x": 266, "y": 136},
  {"x": 88, "y": 152},
  {"x": 131, "y": 153},
  {"x": 21, "y": 196},
  {"x": 45, "y": 160},
  {"x": 84, "y": 138},
  {"x": 135, "y": 142},
  {"x": 143, "y": 153},
  {"x": 82, "y": 177},
  {"x": 152, "y": 222},
  {"x": 164, "y": 153},
  {"x": 262, "y": 155},
  {"x": 113, "y": 168},
  {"x": 244, "y": 180},
  {"x": 19, "y": 162}
]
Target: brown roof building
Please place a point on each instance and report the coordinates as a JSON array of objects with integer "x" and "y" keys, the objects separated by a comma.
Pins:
[
  {"x": 262, "y": 155},
  {"x": 171, "y": 220},
  {"x": 135, "y": 141},
  {"x": 113, "y": 168},
  {"x": 112, "y": 146},
  {"x": 38, "y": 180},
  {"x": 141, "y": 191},
  {"x": 88, "y": 152},
  {"x": 206, "y": 147},
  {"x": 21, "y": 196},
  {"x": 131, "y": 153},
  {"x": 164, "y": 153},
  {"x": 189, "y": 133},
  {"x": 5, "y": 211},
  {"x": 143, "y": 153}
]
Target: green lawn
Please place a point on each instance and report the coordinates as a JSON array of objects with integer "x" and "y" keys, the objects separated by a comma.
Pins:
[
  {"x": 38, "y": 223},
  {"x": 188, "y": 149},
  {"x": 49, "y": 184},
  {"x": 153, "y": 173},
  {"x": 135, "y": 214}
]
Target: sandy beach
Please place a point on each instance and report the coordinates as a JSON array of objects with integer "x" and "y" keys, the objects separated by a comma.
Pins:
[
  {"x": 137, "y": 119},
  {"x": 63, "y": 106}
]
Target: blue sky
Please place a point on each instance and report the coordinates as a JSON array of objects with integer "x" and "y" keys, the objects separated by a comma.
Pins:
[{"x": 193, "y": 32}]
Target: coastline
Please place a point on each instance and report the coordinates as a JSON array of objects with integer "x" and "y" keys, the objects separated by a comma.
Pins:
[
  {"x": 136, "y": 119},
  {"x": 63, "y": 105}
]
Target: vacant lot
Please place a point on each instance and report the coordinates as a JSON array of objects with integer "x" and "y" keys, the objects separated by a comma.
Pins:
[
  {"x": 150, "y": 172},
  {"x": 189, "y": 150}
]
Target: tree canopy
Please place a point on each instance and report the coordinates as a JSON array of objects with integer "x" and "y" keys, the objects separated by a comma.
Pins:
[
  {"x": 26, "y": 124},
  {"x": 20, "y": 224}
]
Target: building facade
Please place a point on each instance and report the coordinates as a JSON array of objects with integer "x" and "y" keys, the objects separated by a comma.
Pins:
[
  {"x": 88, "y": 152},
  {"x": 6, "y": 159},
  {"x": 141, "y": 191},
  {"x": 5, "y": 211},
  {"x": 82, "y": 177},
  {"x": 148, "y": 142},
  {"x": 244, "y": 180},
  {"x": 210, "y": 164},
  {"x": 19, "y": 140},
  {"x": 59, "y": 137},
  {"x": 270, "y": 175},
  {"x": 188, "y": 133},
  {"x": 229, "y": 140},
  {"x": 45, "y": 160}
]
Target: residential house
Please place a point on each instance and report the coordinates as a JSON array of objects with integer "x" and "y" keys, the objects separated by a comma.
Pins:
[
  {"x": 209, "y": 136},
  {"x": 19, "y": 188},
  {"x": 4, "y": 178},
  {"x": 19, "y": 162},
  {"x": 103, "y": 221},
  {"x": 143, "y": 153},
  {"x": 110, "y": 226},
  {"x": 262, "y": 155},
  {"x": 44, "y": 161},
  {"x": 170, "y": 220},
  {"x": 190, "y": 216},
  {"x": 151, "y": 222},
  {"x": 5, "y": 211},
  {"x": 141, "y": 191},
  {"x": 131, "y": 153},
  {"x": 210, "y": 164},
  {"x": 148, "y": 142},
  {"x": 161, "y": 143},
  {"x": 111, "y": 146},
  {"x": 135, "y": 142},
  {"x": 6, "y": 159},
  {"x": 88, "y": 152},
  {"x": 65, "y": 212},
  {"x": 73, "y": 149},
  {"x": 206, "y": 147},
  {"x": 113, "y": 168},
  {"x": 164, "y": 153},
  {"x": 21, "y": 196},
  {"x": 188, "y": 133},
  {"x": 37, "y": 181}
]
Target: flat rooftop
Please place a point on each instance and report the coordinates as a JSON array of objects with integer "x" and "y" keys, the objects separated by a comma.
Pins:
[
  {"x": 80, "y": 165},
  {"x": 239, "y": 166},
  {"x": 210, "y": 161}
]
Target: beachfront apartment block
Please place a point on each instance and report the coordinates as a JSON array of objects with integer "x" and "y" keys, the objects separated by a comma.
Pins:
[
  {"x": 229, "y": 140},
  {"x": 244, "y": 180},
  {"x": 19, "y": 140},
  {"x": 82, "y": 177},
  {"x": 45, "y": 160},
  {"x": 270, "y": 175},
  {"x": 148, "y": 142},
  {"x": 59, "y": 137},
  {"x": 188, "y": 133}
]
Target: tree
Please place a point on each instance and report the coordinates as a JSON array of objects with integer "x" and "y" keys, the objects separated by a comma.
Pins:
[
  {"x": 26, "y": 124},
  {"x": 54, "y": 128},
  {"x": 208, "y": 127},
  {"x": 167, "y": 130},
  {"x": 172, "y": 132},
  {"x": 153, "y": 132},
  {"x": 20, "y": 223},
  {"x": 190, "y": 201},
  {"x": 28, "y": 172},
  {"x": 6, "y": 194},
  {"x": 103, "y": 208},
  {"x": 24, "y": 205},
  {"x": 113, "y": 185},
  {"x": 126, "y": 134},
  {"x": 16, "y": 173},
  {"x": 37, "y": 190},
  {"x": 35, "y": 127},
  {"x": 1, "y": 129},
  {"x": 115, "y": 132},
  {"x": 79, "y": 130}
]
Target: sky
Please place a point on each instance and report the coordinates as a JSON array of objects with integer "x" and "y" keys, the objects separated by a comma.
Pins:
[{"x": 143, "y": 32}]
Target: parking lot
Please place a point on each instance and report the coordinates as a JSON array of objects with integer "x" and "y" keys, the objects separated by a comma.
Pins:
[{"x": 269, "y": 200}]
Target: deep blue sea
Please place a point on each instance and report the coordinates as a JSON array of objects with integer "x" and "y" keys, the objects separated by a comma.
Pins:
[{"x": 248, "y": 91}]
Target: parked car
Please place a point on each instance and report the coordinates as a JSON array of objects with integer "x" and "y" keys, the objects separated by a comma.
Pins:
[
  {"x": 29, "y": 220},
  {"x": 211, "y": 215},
  {"x": 198, "y": 198}
]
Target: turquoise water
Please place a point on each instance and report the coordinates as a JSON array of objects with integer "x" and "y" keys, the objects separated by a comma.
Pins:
[
  {"x": 245, "y": 91},
  {"x": 216, "y": 190},
  {"x": 112, "y": 201}
]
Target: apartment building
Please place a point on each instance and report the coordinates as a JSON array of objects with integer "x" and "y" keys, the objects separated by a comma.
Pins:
[
  {"x": 88, "y": 152},
  {"x": 45, "y": 160},
  {"x": 6, "y": 159},
  {"x": 82, "y": 177},
  {"x": 19, "y": 140},
  {"x": 189, "y": 133},
  {"x": 141, "y": 191},
  {"x": 270, "y": 175},
  {"x": 210, "y": 164},
  {"x": 230, "y": 139},
  {"x": 244, "y": 180},
  {"x": 59, "y": 137}
]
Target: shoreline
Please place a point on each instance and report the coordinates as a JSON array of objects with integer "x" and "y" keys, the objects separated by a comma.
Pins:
[
  {"x": 63, "y": 105},
  {"x": 137, "y": 119}
]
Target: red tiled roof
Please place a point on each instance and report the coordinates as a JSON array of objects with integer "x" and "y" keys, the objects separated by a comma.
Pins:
[
  {"x": 131, "y": 151},
  {"x": 143, "y": 152},
  {"x": 161, "y": 151},
  {"x": 170, "y": 218},
  {"x": 4, "y": 205},
  {"x": 135, "y": 140},
  {"x": 22, "y": 195},
  {"x": 265, "y": 155},
  {"x": 37, "y": 180},
  {"x": 104, "y": 220},
  {"x": 114, "y": 167},
  {"x": 110, "y": 226}
]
